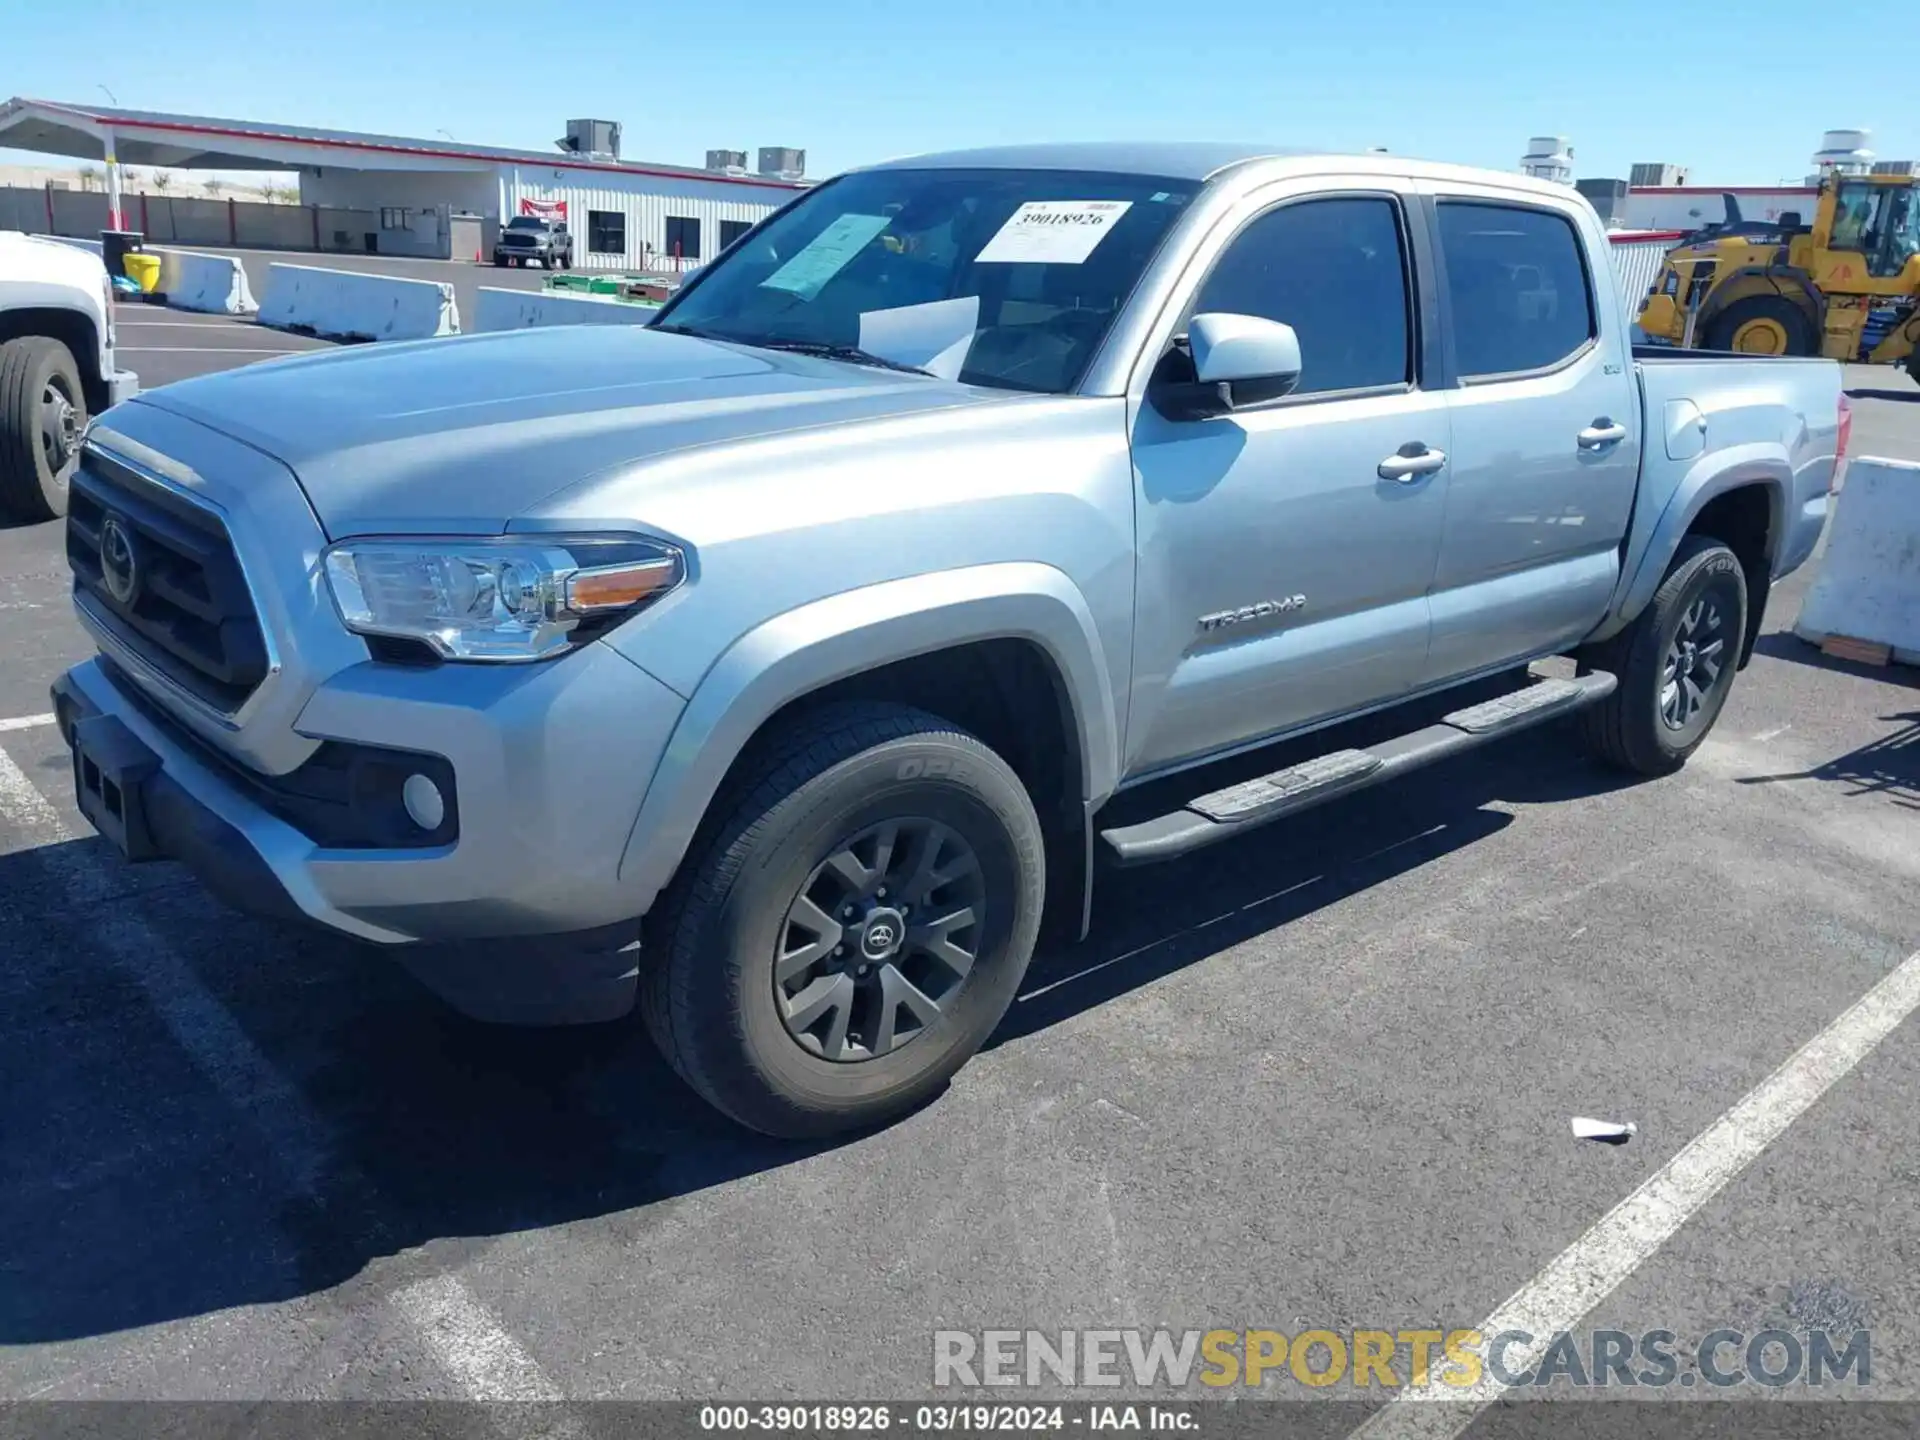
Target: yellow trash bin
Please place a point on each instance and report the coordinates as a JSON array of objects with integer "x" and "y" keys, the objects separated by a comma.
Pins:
[{"x": 143, "y": 270}]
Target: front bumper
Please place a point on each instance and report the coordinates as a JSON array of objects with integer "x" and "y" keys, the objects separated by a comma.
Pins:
[{"x": 550, "y": 764}]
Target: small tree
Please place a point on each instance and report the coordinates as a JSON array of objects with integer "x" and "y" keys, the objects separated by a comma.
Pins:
[
  {"x": 161, "y": 180},
  {"x": 215, "y": 186}
]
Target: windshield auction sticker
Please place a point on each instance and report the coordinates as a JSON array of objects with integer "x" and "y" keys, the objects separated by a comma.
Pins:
[
  {"x": 1053, "y": 232},
  {"x": 826, "y": 255}
]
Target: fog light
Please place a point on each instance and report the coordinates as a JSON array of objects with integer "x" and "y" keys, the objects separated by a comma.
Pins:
[{"x": 425, "y": 804}]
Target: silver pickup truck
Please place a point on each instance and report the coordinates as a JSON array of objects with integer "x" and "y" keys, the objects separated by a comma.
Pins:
[{"x": 789, "y": 660}]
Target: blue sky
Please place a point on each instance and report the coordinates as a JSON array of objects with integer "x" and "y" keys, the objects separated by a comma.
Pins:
[{"x": 853, "y": 81}]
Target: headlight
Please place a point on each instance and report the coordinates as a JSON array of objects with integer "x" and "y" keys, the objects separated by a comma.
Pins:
[{"x": 520, "y": 598}]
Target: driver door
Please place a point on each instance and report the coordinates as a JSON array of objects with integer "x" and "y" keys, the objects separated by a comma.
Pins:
[{"x": 1284, "y": 560}]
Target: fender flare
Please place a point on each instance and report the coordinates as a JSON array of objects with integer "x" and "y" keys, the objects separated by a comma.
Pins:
[
  {"x": 794, "y": 654},
  {"x": 1718, "y": 472}
]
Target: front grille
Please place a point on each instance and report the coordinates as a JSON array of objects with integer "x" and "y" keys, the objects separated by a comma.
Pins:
[{"x": 171, "y": 590}]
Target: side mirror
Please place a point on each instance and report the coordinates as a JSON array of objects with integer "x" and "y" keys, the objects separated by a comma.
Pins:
[{"x": 1237, "y": 361}]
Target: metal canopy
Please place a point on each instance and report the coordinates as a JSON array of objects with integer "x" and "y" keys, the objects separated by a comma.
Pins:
[{"x": 199, "y": 142}]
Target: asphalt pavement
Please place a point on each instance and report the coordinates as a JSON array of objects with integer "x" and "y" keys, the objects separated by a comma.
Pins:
[{"x": 1319, "y": 1079}]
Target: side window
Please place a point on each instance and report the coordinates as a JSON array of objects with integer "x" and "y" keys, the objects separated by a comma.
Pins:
[
  {"x": 1518, "y": 288},
  {"x": 1336, "y": 271}
]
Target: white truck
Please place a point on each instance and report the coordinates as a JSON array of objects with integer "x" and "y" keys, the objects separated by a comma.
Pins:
[{"x": 57, "y": 367}]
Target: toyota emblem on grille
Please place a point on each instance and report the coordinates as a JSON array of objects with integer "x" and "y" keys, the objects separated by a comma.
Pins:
[{"x": 119, "y": 562}]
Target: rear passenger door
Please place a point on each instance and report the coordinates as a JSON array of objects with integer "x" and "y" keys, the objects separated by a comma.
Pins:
[{"x": 1545, "y": 427}]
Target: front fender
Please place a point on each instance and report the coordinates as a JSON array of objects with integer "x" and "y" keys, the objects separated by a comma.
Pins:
[
  {"x": 805, "y": 649},
  {"x": 1715, "y": 473}
]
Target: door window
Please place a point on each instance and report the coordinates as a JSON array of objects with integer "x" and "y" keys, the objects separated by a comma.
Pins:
[
  {"x": 1336, "y": 271},
  {"x": 1517, "y": 282}
]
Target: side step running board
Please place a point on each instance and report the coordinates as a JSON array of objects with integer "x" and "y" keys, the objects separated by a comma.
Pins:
[{"x": 1239, "y": 808}]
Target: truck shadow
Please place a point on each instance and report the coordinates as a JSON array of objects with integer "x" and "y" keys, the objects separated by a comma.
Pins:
[{"x": 140, "y": 1183}]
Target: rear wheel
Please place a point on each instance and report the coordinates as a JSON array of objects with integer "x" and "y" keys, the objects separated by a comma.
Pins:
[
  {"x": 851, "y": 933},
  {"x": 1761, "y": 325},
  {"x": 1675, "y": 663},
  {"x": 43, "y": 410}
]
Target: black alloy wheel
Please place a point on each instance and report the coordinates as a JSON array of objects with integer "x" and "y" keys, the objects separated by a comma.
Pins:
[{"x": 881, "y": 936}]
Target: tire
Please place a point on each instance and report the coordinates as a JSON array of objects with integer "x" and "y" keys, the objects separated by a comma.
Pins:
[
  {"x": 546, "y": 262},
  {"x": 724, "y": 1015},
  {"x": 1758, "y": 310},
  {"x": 500, "y": 262},
  {"x": 41, "y": 395},
  {"x": 1633, "y": 729}
]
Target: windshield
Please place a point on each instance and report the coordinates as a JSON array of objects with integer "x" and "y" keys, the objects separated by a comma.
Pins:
[
  {"x": 526, "y": 222},
  {"x": 1008, "y": 278}
]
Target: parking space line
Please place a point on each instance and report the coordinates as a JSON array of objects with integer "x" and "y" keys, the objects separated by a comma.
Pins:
[
  {"x": 22, "y": 805},
  {"x": 465, "y": 1339},
  {"x": 26, "y": 722},
  {"x": 471, "y": 1344},
  {"x": 1596, "y": 1264}
]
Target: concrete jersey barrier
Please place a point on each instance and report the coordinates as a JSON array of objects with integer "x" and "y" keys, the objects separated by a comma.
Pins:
[
  {"x": 213, "y": 284},
  {"x": 1868, "y": 587},
  {"x": 355, "y": 305},
  {"x": 497, "y": 309}
]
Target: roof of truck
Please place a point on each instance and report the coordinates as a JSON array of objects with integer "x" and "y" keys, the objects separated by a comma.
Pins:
[
  {"x": 1175, "y": 159},
  {"x": 1200, "y": 161}
]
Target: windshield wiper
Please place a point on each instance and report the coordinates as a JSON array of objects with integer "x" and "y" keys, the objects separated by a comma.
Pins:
[{"x": 828, "y": 351}]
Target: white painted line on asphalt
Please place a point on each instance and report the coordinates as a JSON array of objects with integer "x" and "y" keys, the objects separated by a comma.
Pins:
[
  {"x": 23, "y": 807},
  {"x": 26, "y": 722},
  {"x": 212, "y": 322},
  {"x": 478, "y": 1353},
  {"x": 1596, "y": 1264},
  {"x": 471, "y": 1344}
]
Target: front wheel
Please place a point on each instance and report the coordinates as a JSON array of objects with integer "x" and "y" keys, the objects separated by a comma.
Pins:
[
  {"x": 850, "y": 934},
  {"x": 1675, "y": 663},
  {"x": 43, "y": 412}
]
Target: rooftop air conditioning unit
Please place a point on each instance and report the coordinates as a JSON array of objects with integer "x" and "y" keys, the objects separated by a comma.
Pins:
[
  {"x": 727, "y": 162},
  {"x": 782, "y": 162},
  {"x": 597, "y": 138}
]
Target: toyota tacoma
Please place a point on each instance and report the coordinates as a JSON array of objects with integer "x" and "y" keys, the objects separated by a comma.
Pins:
[{"x": 784, "y": 663}]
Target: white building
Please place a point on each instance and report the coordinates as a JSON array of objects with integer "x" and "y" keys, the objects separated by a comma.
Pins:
[{"x": 439, "y": 198}]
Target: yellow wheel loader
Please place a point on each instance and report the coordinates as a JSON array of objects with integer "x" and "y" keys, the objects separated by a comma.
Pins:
[{"x": 1846, "y": 287}]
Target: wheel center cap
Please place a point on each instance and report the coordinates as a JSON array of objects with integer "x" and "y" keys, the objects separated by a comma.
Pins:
[
  {"x": 1688, "y": 655},
  {"x": 882, "y": 933}
]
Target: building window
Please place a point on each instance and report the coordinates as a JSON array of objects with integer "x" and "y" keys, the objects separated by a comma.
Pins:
[
  {"x": 732, "y": 230},
  {"x": 394, "y": 217},
  {"x": 606, "y": 232},
  {"x": 683, "y": 237}
]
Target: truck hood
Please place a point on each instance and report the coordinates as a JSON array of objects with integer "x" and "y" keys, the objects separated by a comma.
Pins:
[{"x": 462, "y": 436}]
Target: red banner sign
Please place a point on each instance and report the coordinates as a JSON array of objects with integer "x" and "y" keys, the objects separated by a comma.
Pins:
[{"x": 545, "y": 209}]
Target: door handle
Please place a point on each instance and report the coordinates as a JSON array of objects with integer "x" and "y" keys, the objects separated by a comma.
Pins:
[
  {"x": 1411, "y": 462},
  {"x": 1602, "y": 433}
]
